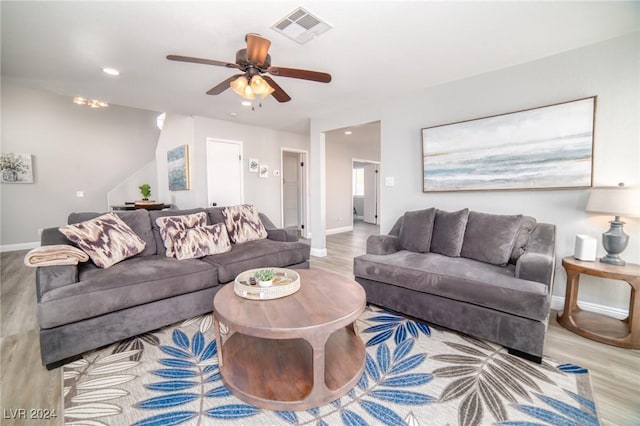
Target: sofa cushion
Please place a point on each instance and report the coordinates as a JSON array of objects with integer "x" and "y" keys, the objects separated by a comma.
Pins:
[
  {"x": 198, "y": 242},
  {"x": 416, "y": 230},
  {"x": 448, "y": 232},
  {"x": 168, "y": 224},
  {"x": 466, "y": 280},
  {"x": 490, "y": 237},
  {"x": 527, "y": 224},
  {"x": 155, "y": 214},
  {"x": 257, "y": 254},
  {"x": 106, "y": 239},
  {"x": 243, "y": 223},
  {"x": 134, "y": 282},
  {"x": 138, "y": 220}
]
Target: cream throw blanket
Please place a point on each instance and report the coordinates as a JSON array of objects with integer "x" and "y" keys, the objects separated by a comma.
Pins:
[{"x": 55, "y": 255}]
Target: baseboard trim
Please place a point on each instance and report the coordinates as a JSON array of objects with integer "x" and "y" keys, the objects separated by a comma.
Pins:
[
  {"x": 17, "y": 247},
  {"x": 316, "y": 252},
  {"x": 557, "y": 303},
  {"x": 359, "y": 217},
  {"x": 339, "y": 230}
]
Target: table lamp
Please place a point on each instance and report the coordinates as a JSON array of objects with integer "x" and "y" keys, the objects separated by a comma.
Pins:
[{"x": 619, "y": 201}]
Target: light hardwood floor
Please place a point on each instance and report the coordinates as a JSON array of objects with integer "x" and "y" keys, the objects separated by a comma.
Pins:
[{"x": 26, "y": 384}]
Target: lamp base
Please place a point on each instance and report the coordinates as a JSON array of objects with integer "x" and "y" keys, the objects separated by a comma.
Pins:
[
  {"x": 615, "y": 240},
  {"x": 613, "y": 260}
]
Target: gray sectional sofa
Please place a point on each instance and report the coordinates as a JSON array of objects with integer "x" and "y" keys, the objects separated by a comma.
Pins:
[
  {"x": 489, "y": 276},
  {"x": 84, "y": 307}
]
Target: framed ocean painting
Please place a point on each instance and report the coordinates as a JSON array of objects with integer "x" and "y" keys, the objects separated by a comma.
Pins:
[
  {"x": 178, "y": 168},
  {"x": 538, "y": 148}
]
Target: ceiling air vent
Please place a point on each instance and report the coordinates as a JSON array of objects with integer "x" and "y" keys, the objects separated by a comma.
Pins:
[{"x": 301, "y": 26}]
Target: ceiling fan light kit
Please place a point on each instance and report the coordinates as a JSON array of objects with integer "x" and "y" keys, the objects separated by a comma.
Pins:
[{"x": 254, "y": 61}]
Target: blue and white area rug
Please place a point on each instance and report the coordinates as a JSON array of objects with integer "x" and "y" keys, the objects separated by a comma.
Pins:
[{"x": 416, "y": 374}]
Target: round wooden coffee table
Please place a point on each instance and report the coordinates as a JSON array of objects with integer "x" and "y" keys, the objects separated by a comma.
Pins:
[{"x": 294, "y": 353}]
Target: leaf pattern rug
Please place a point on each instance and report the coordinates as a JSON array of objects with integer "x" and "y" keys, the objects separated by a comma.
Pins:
[{"x": 415, "y": 374}]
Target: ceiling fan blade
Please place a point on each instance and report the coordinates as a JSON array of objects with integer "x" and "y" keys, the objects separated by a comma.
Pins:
[
  {"x": 222, "y": 86},
  {"x": 321, "y": 77},
  {"x": 201, "y": 61},
  {"x": 257, "y": 48},
  {"x": 278, "y": 93}
]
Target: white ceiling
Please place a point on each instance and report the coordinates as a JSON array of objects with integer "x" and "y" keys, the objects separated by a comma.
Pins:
[{"x": 375, "y": 50}]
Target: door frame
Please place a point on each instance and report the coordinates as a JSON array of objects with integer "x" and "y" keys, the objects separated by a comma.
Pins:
[
  {"x": 305, "y": 189},
  {"x": 378, "y": 163},
  {"x": 241, "y": 161}
]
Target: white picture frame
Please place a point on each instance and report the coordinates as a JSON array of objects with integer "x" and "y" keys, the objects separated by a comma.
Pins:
[
  {"x": 254, "y": 165},
  {"x": 264, "y": 171}
]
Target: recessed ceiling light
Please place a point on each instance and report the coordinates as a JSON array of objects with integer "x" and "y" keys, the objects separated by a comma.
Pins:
[
  {"x": 245, "y": 103},
  {"x": 110, "y": 71},
  {"x": 348, "y": 132}
]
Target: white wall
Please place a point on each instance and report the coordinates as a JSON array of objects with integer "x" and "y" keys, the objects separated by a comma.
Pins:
[
  {"x": 129, "y": 189},
  {"x": 74, "y": 148},
  {"x": 609, "y": 70},
  {"x": 258, "y": 142}
]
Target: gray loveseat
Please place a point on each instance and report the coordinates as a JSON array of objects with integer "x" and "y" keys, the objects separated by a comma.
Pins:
[
  {"x": 489, "y": 276},
  {"x": 84, "y": 307}
]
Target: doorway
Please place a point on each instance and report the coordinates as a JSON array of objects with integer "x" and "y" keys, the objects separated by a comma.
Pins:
[
  {"x": 225, "y": 186},
  {"x": 293, "y": 194},
  {"x": 365, "y": 191}
]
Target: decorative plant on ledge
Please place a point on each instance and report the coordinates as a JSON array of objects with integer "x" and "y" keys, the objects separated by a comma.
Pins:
[{"x": 145, "y": 190}]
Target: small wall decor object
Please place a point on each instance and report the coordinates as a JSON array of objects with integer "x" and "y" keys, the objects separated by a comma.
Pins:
[
  {"x": 178, "y": 168},
  {"x": 264, "y": 171},
  {"x": 618, "y": 201},
  {"x": 254, "y": 165},
  {"x": 585, "y": 248},
  {"x": 16, "y": 168},
  {"x": 538, "y": 148}
]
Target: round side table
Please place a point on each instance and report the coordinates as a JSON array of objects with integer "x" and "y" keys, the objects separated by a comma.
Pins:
[{"x": 602, "y": 328}]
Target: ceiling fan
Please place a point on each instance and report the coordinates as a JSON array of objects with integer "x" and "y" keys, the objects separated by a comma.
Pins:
[{"x": 254, "y": 61}]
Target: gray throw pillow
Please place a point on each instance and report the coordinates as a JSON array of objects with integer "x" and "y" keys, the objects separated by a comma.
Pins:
[
  {"x": 522, "y": 239},
  {"x": 416, "y": 230},
  {"x": 448, "y": 232},
  {"x": 490, "y": 238}
]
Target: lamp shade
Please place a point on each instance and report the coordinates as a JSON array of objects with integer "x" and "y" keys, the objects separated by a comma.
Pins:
[{"x": 615, "y": 200}]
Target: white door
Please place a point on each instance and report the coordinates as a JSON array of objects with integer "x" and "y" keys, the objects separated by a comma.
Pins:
[
  {"x": 291, "y": 189},
  {"x": 224, "y": 173},
  {"x": 370, "y": 193}
]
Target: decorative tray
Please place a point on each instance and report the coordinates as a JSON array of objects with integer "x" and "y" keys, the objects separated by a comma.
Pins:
[{"x": 286, "y": 282}]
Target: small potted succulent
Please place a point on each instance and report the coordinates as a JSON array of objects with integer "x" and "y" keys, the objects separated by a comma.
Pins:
[{"x": 265, "y": 277}]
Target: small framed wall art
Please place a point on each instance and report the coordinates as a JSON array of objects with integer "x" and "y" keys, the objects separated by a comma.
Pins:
[
  {"x": 539, "y": 148},
  {"x": 178, "y": 168},
  {"x": 16, "y": 168},
  {"x": 254, "y": 165}
]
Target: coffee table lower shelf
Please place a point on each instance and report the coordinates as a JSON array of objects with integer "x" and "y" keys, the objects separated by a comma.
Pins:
[{"x": 278, "y": 374}]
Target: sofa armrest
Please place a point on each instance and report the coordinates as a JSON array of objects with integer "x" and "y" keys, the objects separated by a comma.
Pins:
[
  {"x": 51, "y": 277},
  {"x": 538, "y": 262},
  {"x": 382, "y": 244},
  {"x": 278, "y": 234}
]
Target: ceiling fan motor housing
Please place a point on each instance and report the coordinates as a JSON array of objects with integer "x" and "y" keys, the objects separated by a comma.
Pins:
[{"x": 243, "y": 62}]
